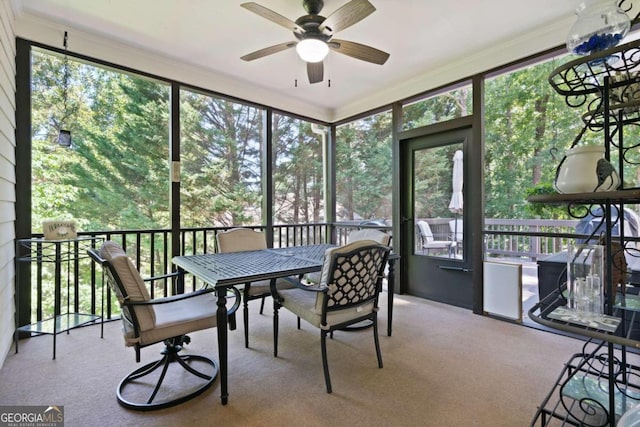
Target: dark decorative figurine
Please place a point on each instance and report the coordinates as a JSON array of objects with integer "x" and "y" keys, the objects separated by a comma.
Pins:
[{"x": 605, "y": 171}]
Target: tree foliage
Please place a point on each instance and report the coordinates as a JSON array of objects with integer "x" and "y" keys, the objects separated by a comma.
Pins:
[
  {"x": 298, "y": 171},
  {"x": 116, "y": 174},
  {"x": 221, "y": 157},
  {"x": 363, "y": 168}
]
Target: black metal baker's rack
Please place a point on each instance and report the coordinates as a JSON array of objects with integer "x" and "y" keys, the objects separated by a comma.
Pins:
[{"x": 598, "y": 384}]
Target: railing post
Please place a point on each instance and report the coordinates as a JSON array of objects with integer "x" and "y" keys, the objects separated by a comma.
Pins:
[{"x": 534, "y": 248}]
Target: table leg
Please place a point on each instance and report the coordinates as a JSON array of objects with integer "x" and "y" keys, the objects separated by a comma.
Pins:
[
  {"x": 221, "y": 316},
  {"x": 391, "y": 285}
]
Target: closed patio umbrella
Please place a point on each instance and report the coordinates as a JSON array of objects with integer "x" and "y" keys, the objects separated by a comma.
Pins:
[{"x": 456, "y": 203}]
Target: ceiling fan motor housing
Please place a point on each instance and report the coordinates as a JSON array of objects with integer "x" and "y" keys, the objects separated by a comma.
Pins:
[
  {"x": 313, "y": 7},
  {"x": 311, "y": 25}
]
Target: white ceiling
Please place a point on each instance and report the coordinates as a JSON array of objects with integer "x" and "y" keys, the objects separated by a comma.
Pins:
[{"x": 430, "y": 42}]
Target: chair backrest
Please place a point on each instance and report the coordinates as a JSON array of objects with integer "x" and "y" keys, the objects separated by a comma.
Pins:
[
  {"x": 127, "y": 284},
  {"x": 425, "y": 231},
  {"x": 456, "y": 227},
  {"x": 240, "y": 239},
  {"x": 369, "y": 234},
  {"x": 352, "y": 275}
]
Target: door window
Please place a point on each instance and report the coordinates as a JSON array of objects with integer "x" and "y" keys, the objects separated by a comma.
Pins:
[{"x": 438, "y": 201}]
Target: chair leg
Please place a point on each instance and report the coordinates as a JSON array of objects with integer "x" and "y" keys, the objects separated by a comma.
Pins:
[
  {"x": 376, "y": 340},
  {"x": 245, "y": 314},
  {"x": 231, "y": 320},
  {"x": 130, "y": 392},
  {"x": 262, "y": 305},
  {"x": 275, "y": 328},
  {"x": 298, "y": 322},
  {"x": 325, "y": 364}
]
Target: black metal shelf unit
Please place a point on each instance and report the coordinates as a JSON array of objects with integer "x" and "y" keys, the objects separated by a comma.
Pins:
[
  {"x": 599, "y": 384},
  {"x": 60, "y": 253}
]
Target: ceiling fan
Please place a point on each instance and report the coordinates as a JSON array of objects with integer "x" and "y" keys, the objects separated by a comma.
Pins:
[{"x": 315, "y": 34}]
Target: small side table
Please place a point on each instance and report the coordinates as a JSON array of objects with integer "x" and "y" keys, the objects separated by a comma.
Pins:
[{"x": 56, "y": 252}]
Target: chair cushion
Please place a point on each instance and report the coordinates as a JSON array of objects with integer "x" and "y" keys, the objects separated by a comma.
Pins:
[
  {"x": 240, "y": 239},
  {"x": 313, "y": 277},
  {"x": 132, "y": 282},
  {"x": 308, "y": 306},
  {"x": 369, "y": 234},
  {"x": 244, "y": 239},
  {"x": 178, "y": 318},
  {"x": 439, "y": 244},
  {"x": 263, "y": 287}
]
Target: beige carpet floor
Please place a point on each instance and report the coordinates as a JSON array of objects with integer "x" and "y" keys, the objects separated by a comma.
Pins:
[{"x": 443, "y": 366}]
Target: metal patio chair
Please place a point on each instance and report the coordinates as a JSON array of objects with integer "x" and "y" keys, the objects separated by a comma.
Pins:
[
  {"x": 148, "y": 321},
  {"x": 347, "y": 294},
  {"x": 245, "y": 239}
]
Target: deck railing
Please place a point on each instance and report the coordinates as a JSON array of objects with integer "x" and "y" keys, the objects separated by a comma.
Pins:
[
  {"x": 150, "y": 250},
  {"x": 527, "y": 238}
]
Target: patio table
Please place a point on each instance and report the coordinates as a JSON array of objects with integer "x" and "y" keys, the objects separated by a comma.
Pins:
[{"x": 224, "y": 270}]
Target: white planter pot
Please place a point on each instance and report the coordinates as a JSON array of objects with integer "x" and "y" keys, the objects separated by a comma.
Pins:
[{"x": 584, "y": 169}]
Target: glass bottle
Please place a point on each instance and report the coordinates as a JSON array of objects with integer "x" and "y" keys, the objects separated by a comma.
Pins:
[
  {"x": 585, "y": 268},
  {"x": 601, "y": 25}
]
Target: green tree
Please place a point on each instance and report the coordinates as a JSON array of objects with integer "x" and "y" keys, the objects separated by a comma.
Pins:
[
  {"x": 364, "y": 168},
  {"x": 115, "y": 175},
  {"x": 439, "y": 108},
  {"x": 124, "y": 175},
  {"x": 221, "y": 157},
  {"x": 297, "y": 172},
  {"x": 524, "y": 120}
]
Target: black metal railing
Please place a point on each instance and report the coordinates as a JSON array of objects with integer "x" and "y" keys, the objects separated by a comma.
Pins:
[
  {"x": 151, "y": 251},
  {"x": 82, "y": 289}
]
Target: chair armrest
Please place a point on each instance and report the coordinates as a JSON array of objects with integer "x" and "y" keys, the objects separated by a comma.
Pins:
[
  {"x": 172, "y": 298},
  {"x": 164, "y": 276},
  {"x": 235, "y": 306},
  {"x": 297, "y": 283},
  {"x": 179, "y": 297}
]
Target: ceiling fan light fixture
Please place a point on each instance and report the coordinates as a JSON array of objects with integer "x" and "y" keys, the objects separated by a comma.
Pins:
[{"x": 312, "y": 50}]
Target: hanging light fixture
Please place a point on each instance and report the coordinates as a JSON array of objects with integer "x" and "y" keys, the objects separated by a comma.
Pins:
[
  {"x": 64, "y": 135},
  {"x": 312, "y": 50}
]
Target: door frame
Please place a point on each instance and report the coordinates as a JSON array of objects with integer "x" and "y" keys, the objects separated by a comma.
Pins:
[
  {"x": 443, "y": 277},
  {"x": 474, "y": 207}
]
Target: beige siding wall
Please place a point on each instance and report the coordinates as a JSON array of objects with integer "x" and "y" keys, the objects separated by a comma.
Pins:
[{"x": 7, "y": 175}]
